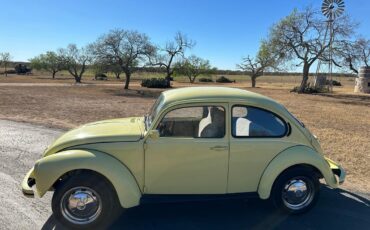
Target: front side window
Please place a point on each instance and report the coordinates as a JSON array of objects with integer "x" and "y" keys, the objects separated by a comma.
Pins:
[
  {"x": 195, "y": 122},
  {"x": 254, "y": 122}
]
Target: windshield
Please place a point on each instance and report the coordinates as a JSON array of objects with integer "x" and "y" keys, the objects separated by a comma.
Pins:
[{"x": 153, "y": 112}]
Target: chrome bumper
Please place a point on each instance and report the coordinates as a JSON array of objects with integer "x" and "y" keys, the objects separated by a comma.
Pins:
[
  {"x": 337, "y": 170},
  {"x": 27, "y": 183}
]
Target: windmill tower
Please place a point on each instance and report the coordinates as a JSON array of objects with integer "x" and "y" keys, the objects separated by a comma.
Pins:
[{"x": 332, "y": 9}]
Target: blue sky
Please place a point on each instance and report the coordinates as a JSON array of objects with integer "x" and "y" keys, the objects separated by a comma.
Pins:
[{"x": 225, "y": 31}]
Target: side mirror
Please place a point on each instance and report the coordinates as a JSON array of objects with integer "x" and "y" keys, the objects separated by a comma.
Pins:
[{"x": 154, "y": 134}]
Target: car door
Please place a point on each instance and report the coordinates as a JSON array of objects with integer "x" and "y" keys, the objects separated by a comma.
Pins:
[
  {"x": 191, "y": 154},
  {"x": 257, "y": 136}
]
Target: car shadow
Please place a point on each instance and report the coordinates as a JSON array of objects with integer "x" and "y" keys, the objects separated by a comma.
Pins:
[{"x": 336, "y": 208}]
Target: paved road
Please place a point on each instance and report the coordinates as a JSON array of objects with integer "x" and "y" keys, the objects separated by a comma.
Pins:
[{"x": 21, "y": 144}]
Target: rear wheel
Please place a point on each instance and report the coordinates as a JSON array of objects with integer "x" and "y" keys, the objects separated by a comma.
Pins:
[
  {"x": 296, "y": 190},
  {"x": 85, "y": 201}
]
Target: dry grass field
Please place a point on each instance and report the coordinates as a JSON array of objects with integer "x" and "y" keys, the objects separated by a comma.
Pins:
[{"x": 341, "y": 120}]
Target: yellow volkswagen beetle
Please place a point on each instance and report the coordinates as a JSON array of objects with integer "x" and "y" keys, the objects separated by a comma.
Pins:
[{"x": 198, "y": 142}]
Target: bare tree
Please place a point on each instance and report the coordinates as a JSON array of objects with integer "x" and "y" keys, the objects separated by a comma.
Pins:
[
  {"x": 300, "y": 36},
  {"x": 50, "y": 61},
  {"x": 192, "y": 67},
  {"x": 76, "y": 60},
  {"x": 256, "y": 66},
  {"x": 353, "y": 54},
  {"x": 98, "y": 67},
  {"x": 164, "y": 57},
  {"x": 125, "y": 48},
  {"x": 5, "y": 58},
  {"x": 116, "y": 70}
]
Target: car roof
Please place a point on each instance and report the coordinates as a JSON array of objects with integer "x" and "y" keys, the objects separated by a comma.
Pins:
[{"x": 222, "y": 94}]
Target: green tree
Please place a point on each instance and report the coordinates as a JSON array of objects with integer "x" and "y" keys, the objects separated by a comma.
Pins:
[
  {"x": 125, "y": 48},
  {"x": 256, "y": 66},
  {"x": 353, "y": 54},
  {"x": 192, "y": 67},
  {"x": 116, "y": 70},
  {"x": 5, "y": 58},
  {"x": 165, "y": 56},
  {"x": 76, "y": 60},
  {"x": 50, "y": 61},
  {"x": 300, "y": 36}
]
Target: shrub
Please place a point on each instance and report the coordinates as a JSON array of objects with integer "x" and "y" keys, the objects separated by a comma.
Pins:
[
  {"x": 155, "y": 83},
  {"x": 101, "y": 77},
  {"x": 335, "y": 83},
  {"x": 310, "y": 90},
  {"x": 224, "y": 79},
  {"x": 204, "y": 79}
]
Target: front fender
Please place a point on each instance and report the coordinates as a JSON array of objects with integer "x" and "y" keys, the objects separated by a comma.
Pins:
[
  {"x": 49, "y": 169},
  {"x": 290, "y": 157}
]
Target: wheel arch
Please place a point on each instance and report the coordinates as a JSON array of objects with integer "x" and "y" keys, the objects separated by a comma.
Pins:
[
  {"x": 49, "y": 171},
  {"x": 297, "y": 156},
  {"x": 76, "y": 172}
]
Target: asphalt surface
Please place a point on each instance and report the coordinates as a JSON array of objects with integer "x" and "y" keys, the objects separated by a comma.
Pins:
[{"x": 21, "y": 144}]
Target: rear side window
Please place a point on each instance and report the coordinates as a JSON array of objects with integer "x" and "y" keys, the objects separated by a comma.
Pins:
[{"x": 255, "y": 122}]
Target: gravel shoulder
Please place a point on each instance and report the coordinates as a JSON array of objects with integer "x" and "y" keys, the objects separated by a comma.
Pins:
[{"x": 21, "y": 145}]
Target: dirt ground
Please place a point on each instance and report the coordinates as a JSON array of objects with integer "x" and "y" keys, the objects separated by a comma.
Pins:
[{"x": 341, "y": 120}]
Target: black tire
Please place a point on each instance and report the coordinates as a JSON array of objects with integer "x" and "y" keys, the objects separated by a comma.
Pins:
[
  {"x": 106, "y": 210},
  {"x": 294, "y": 177}
]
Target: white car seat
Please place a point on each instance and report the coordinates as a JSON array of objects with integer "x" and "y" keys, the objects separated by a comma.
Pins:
[
  {"x": 204, "y": 122},
  {"x": 242, "y": 126}
]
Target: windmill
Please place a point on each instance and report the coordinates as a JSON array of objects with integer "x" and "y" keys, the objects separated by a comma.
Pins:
[{"x": 332, "y": 9}]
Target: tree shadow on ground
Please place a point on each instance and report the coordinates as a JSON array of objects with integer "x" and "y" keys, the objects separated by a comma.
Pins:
[
  {"x": 336, "y": 209},
  {"x": 355, "y": 99},
  {"x": 135, "y": 93}
]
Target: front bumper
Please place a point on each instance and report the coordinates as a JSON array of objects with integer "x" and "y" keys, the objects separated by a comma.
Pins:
[
  {"x": 29, "y": 182},
  {"x": 338, "y": 171}
]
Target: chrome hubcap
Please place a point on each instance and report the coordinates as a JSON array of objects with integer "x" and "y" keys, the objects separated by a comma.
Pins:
[
  {"x": 81, "y": 205},
  {"x": 297, "y": 193}
]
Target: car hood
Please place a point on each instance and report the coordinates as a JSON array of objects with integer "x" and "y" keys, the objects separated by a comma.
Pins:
[{"x": 116, "y": 130}]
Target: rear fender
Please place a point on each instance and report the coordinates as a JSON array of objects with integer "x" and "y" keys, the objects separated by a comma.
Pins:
[{"x": 296, "y": 155}]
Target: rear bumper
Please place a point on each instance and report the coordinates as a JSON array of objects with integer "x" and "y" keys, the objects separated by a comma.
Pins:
[
  {"x": 28, "y": 182},
  {"x": 338, "y": 171}
]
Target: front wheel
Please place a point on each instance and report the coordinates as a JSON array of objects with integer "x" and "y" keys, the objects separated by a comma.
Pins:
[
  {"x": 85, "y": 201},
  {"x": 296, "y": 190}
]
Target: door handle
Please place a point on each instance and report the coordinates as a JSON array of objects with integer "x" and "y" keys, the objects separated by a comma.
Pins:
[{"x": 219, "y": 148}]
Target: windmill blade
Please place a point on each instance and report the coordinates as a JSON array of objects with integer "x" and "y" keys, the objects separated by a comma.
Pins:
[
  {"x": 332, "y": 8},
  {"x": 340, "y": 11},
  {"x": 340, "y": 3}
]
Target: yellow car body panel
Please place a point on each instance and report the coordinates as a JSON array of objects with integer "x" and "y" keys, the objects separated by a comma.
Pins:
[
  {"x": 49, "y": 169},
  {"x": 249, "y": 159},
  {"x": 131, "y": 154},
  {"x": 296, "y": 155},
  {"x": 115, "y": 130},
  {"x": 195, "y": 169},
  {"x": 136, "y": 163}
]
